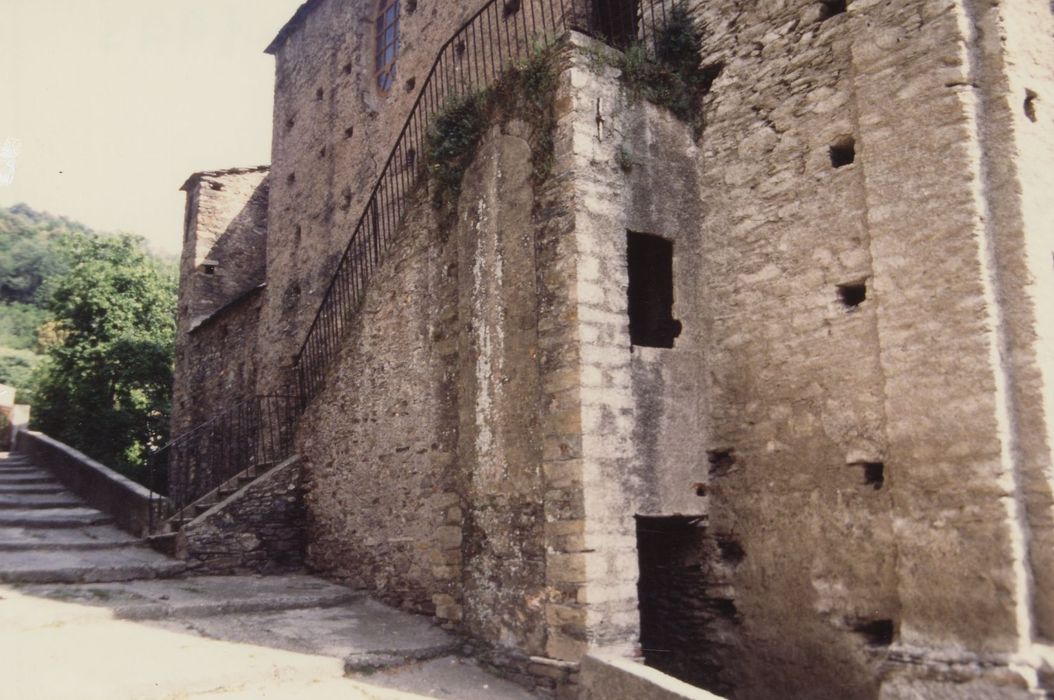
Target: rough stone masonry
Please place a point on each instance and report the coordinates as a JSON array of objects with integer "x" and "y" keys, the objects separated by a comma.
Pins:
[{"x": 851, "y": 260}]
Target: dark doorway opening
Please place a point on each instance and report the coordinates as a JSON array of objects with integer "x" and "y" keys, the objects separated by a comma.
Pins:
[
  {"x": 650, "y": 262},
  {"x": 682, "y": 619}
]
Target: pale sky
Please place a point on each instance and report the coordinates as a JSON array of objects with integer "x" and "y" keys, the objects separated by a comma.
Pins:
[{"x": 111, "y": 104}]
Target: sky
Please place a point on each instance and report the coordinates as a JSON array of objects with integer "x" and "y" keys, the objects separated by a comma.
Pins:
[{"x": 107, "y": 106}]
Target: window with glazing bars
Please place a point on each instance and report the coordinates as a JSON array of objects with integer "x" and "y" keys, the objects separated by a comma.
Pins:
[{"x": 387, "y": 43}]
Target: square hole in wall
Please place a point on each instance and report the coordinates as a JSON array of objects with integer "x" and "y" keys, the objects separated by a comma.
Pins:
[
  {"x": 832, "y": 8},
  {"x": 843, "y": 152},
  {"x": 650, "y": 263},
  {"x": 852, "y": 294},
  {"x": 873, "y": 473}
]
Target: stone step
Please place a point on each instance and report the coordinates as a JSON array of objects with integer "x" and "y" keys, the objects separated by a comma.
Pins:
[
  {"x": 105, "y": 565},
  {"x": 205, "y": 596},
  {"x": 19, "y": 539},
  {"x": 53, "y": 518},
  {"x": 35, "y": 489},
  {"x": 31, "y": 501},
  {"x": 35, "y": 478},
  {"x": 20, "y": 470},
  {"x": 32, "y": 489}
]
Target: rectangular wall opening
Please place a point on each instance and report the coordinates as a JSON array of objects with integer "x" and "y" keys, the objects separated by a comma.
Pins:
[
  {"x": 681, "y": 619},
  {"x": 650, "y": 262}
]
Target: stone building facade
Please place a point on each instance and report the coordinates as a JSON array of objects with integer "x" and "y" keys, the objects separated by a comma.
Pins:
[{"x": 776, "y": 393}]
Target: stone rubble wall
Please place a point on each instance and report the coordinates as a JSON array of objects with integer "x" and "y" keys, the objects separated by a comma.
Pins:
[
  {"x": 218, "y": 313},
  {"x": 379, "y": 442},
  {"x": 333, "y": 131},
  {"x": 259, "y": 529}
]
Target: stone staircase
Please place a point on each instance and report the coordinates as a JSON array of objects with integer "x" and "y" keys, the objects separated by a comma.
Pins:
[
  {"x": 204, "y": 503},
  {"x": 48, "y": 535}
]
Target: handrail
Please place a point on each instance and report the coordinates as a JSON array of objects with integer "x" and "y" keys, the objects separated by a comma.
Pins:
[
  {"x": 474, "y": 58},
  {"x": 255, "y": 432}
]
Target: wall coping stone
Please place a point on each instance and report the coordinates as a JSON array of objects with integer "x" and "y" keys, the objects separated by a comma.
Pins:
[{"x": 605, "y": 672}]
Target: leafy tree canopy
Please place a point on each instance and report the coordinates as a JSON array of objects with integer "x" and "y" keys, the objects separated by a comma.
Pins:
[
  {"x": 29, "y": 253},
  {"x": 105, "y": 386}
]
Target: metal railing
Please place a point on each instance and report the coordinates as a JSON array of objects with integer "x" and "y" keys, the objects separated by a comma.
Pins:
[
  {"x": 260, "y": 431},
  {"x": 251, "y": 436},
  {"x": 500, "y": 34}
]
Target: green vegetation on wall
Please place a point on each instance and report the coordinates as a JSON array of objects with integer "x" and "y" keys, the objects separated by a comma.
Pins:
[
  {"x": 672, "y": 75},
  {"x": 526, "y": 92}
]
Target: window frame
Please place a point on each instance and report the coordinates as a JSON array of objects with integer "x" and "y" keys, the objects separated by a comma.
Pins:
[{"x": 385, "y": 44}]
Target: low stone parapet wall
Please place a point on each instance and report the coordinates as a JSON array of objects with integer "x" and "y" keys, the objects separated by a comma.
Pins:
[
  {"x": 605, "y": 676},
  {"x": 128, "y": 502}
]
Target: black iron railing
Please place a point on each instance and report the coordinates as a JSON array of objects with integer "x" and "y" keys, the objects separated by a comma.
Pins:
[
  {"x": 259, "y": 432},
  {"x": 247, "y": 438},
  {"x": 501, "y": 34}
]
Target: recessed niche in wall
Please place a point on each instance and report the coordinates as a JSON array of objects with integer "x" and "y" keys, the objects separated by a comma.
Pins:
[
  {"x": 209, "y": 267},
  {"x": 709, "y": 74},
  {"x": 877, "y": 633},
  {"x": 347, "y": 69},
  {"x": 349, "y": 132},
  {"x": 721, "y": 461},
  {"x": 1030, "y": 105},
  {"x": 843, "y": 152},
  {"x": 873, "y": 474},
  {"x": 650, "y": 262},
  {"x": 852, "y": 294},
  {"x": 319, "y": 94},
  {"x": 832, "y": 8}
]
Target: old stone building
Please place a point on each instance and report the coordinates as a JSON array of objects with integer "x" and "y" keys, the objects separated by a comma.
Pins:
[{"x": 761, "y": 391}]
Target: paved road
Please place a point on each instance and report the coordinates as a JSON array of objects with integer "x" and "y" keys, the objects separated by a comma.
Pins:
[{"x": 88, "y": 612}]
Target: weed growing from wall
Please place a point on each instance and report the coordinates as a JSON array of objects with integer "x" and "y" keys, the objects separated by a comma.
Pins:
[
  {"x": 452, "y": 141},
  {"x": 673, "y": 76},
  {"x": 526, "y": 92}
]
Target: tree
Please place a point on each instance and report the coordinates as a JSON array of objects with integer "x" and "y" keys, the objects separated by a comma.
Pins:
[{"x": 105, "y": 385}]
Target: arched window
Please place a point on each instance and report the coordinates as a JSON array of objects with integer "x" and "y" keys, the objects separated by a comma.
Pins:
[{"x": 387, "y": 43}]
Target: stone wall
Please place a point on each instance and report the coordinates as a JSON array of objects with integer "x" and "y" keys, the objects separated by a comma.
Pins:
[
  {"x": 221, "y": 285},
  {"x": 859, "y": 399},
  {"x": 216, "y": 363},
  {"x": 443, "y": 455},
  {"x": 877, "y": 483},
  {"x": 258, "y": 529},
  {"x": 1011, "y": 60},
  {"x": 379, "y": 443},
  {"x": 333, "y": 132}
]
